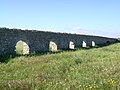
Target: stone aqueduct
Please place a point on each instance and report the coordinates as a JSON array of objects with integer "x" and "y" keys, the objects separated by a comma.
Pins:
[{"x": 39, "y": 40}]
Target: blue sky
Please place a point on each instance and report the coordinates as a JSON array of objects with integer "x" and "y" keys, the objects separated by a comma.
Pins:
[{"x": 96, "y": 17}]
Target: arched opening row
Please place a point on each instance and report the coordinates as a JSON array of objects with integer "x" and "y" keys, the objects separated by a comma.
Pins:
[
  {"x": 23, "y": 48},
  {"x": 84, "y": 44},
  {"x": 53, "y": 45}
]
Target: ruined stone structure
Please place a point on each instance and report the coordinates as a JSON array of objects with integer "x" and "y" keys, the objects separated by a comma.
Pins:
[{"x": 40, "y": 40}]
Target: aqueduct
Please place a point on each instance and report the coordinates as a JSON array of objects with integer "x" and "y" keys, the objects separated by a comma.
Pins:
[{"x": 39, "y": 40}]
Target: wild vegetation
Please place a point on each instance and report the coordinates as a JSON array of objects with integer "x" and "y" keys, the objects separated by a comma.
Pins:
[{"x": 82, "y": 69}]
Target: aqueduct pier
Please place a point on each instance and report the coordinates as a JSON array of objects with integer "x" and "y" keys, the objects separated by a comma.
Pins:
[{"x": 39, "y": 40}]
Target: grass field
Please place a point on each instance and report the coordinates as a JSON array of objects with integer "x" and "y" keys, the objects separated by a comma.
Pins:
[{"x": 83, "y": 69}]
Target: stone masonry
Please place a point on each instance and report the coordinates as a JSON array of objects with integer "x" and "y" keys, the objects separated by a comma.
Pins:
[{"x": 39, "y": 40}]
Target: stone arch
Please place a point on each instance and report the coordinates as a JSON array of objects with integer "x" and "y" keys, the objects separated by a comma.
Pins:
[
  {"x": 71, "y": 45},
  {"x": 108, "y": 42},
  {"x": 93, "y": 43},
  {"x": 84, "y": 44},
  {"x": 22, "y": 47},
  {"x": 52, "y": 46}
]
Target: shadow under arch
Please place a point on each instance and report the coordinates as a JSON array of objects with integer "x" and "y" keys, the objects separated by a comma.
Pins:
[{"x": 22, "y": 47}]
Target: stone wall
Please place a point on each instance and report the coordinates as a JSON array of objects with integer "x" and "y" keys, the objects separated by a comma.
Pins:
[{"x": 40, "y": 40}]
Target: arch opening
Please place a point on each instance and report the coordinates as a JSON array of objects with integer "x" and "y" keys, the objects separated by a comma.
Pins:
[
  {"x": 84, "y": 44},
  {"x": 93, "y": 43},
  {"x": 52, "y": 46},
  {"x": 22, "y": 48},
  {"x": 71, "y": 45},
  {"x": 108, "y": 42}
]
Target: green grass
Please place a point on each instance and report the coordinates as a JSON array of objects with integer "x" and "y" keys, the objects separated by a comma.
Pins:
[
  {"x": 83, "y": 69},
  {"x": 19, "y": 47}
]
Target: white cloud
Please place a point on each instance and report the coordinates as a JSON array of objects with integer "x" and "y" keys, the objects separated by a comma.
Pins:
[{"x": 106, "y": 33}]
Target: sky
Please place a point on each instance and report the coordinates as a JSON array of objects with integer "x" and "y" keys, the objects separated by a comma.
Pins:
[{"x": 93, "y": 17}]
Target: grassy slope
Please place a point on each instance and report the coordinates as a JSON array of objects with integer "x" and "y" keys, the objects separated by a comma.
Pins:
[{"x": 91, "y": 69}]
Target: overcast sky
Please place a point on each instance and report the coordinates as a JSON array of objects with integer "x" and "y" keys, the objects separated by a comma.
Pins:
[{"x": 96, "y": 17}]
